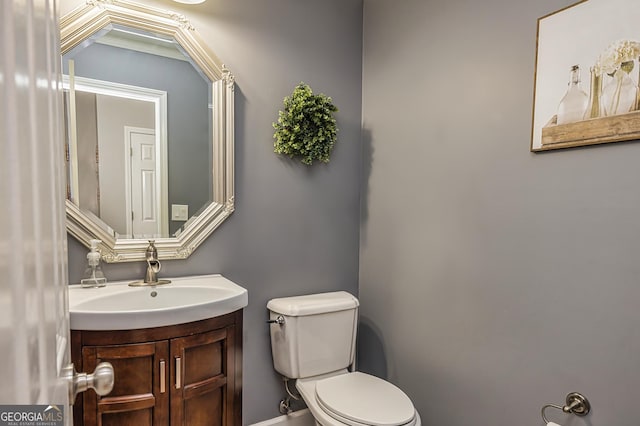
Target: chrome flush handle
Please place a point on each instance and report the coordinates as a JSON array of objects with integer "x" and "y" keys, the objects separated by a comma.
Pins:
[{"x": 279, "y": 320}]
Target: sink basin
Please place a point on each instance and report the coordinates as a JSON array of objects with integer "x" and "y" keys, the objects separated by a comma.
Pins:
[{"x": 121, "y": 307}]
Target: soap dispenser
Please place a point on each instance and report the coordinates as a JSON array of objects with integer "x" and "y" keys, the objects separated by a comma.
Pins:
[{"x": 93, "y": 275}]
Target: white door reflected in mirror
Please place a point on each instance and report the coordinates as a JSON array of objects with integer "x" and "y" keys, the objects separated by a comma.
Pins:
[{"x": 145, "y": 198}]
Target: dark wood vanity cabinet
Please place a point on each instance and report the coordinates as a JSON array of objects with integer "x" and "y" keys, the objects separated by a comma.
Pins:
[
  {"x": 179, "y": 375},
  {"x": 137, "y": 397}
]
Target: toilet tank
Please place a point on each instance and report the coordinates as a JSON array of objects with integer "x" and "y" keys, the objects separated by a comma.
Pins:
[{"x": 318, "y": 335}]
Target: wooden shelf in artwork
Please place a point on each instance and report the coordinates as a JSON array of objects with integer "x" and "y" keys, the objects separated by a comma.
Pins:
[{"x": 623, "y": 127}]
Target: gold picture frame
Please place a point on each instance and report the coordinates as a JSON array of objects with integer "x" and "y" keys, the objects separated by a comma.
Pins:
[{"x": 592, "y": 46}]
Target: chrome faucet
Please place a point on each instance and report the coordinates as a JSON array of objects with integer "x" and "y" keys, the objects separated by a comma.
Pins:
[
  {"x": 153, "y": 267},
  {"x": 153, "y": 264}
]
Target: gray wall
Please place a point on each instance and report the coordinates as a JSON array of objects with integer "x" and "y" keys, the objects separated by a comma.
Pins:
[
  {"x": 87, "y": 144},
  {"x": 295, "y": 229},
  {"x": 492, "y": 280}
]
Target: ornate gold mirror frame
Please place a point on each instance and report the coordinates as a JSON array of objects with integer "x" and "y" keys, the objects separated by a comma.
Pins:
[{"x": 86, "y": 21}]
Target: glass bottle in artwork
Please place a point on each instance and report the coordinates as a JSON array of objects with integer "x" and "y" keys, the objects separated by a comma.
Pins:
[
  {"x": 575, "y": 101},
  {"x": 620, "y": 95},
  {"x": 595, "y": 108}
]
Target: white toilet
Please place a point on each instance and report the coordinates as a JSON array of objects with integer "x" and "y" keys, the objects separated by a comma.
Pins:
[{"x": 313, "y": 340}]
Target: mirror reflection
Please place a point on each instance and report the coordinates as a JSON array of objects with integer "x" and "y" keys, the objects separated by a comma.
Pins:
[
  {"x": 130, "y": 178},
  {"x": 139, "y": 132}
]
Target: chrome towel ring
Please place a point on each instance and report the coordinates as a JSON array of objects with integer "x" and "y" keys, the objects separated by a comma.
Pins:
[{"x": 575, "y": 403}]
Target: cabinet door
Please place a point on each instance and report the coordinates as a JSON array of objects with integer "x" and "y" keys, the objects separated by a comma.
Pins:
[
  {"x": 202, "y": 379},
  {"x": 140, "y": 395}
]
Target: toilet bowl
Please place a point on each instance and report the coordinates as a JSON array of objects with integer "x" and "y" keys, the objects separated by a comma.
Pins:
[
  {"x": 313, "y": 341},
  {"x": 356, "y": 399}
]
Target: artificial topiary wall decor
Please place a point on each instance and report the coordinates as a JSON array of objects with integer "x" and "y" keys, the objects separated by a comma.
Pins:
[{"x": 306, "y": 129}]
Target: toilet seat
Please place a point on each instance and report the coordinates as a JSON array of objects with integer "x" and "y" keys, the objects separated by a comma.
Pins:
[{"x": 360, "y": 399}]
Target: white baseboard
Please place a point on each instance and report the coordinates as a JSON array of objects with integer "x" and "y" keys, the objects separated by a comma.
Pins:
[{"x": 297, "y": 418}]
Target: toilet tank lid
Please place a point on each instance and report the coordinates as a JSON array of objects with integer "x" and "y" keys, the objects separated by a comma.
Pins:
[{"x": 312, "y": 304}]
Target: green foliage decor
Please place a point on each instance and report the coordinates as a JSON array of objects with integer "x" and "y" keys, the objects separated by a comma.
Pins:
[{"x": 306, "y": 129}]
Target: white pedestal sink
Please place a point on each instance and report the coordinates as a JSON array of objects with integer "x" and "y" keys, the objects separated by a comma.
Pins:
[{"x": 121, "y": 307}]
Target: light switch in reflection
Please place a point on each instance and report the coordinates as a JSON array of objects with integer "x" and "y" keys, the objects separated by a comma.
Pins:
[{"x": 179, "y": 212}]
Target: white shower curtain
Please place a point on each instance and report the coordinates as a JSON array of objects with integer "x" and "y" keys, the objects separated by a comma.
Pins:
[{"x": 33, "y": 257}]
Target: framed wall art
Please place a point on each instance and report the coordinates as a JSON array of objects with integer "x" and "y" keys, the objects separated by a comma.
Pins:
[{"x": 586, "y": 77}]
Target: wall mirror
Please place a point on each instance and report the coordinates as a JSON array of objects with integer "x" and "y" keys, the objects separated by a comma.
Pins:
[{"x": 150, "y": 131}]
